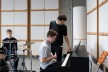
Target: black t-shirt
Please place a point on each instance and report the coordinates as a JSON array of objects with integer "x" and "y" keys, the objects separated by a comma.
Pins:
[
  {"x": 61, "y": 30},
  {"x": 7, "y": 45}
]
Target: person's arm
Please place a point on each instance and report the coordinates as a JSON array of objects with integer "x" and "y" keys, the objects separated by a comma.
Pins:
[
  {"x": 67, "y": 42},
  {"x": 49, "y": 58},
  {"x": 43, "y": 53},
  {"x": 66, "y": 39}
]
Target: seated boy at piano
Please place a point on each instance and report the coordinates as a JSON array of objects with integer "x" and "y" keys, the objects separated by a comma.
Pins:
[{"x": 47, "y": 59}]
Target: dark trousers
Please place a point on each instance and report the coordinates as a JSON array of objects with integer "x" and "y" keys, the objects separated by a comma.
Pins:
[
  {"x": 16, "y": 63},
  {"x": 58, "y": 50},
  {"x": 51, "y": 68}
]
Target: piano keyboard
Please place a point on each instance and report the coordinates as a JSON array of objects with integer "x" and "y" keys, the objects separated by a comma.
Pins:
[{"x": 66, "y": 59}]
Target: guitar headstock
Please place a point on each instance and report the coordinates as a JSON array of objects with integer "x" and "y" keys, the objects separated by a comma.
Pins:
[{"x": 102, "y": 57}]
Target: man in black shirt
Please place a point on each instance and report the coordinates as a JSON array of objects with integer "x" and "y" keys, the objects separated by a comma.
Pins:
[
  {"x": 61, "y": 29},
  {"x": 11, "y": 54}
]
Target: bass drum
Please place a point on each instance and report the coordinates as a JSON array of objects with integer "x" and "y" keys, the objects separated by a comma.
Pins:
[
  {"x": 3, "y": 63},
  {"x": 4, "y": 66}
]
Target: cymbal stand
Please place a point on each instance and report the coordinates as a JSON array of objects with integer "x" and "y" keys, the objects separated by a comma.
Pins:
[
  {"x": 23, "y": 62},
  {"x": 30, "y": 60}
]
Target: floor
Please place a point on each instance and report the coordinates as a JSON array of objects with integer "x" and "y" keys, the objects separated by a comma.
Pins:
[
  {"x": 35, "y": 63},
  {"x": 36, "y": 67}
]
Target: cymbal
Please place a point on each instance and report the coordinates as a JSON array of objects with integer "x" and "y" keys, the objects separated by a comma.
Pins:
[
  {"x": 10, "y": 41},
  {"x": 27, "y": 44},
  {"x": 24, "y": 49}
]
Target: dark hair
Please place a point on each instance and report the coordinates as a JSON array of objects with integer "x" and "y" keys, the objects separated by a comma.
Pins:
[
  {"x": 62, "y": 17},
  {"x": 52, "y": 33},
  {"x": 9, "y": 30}
]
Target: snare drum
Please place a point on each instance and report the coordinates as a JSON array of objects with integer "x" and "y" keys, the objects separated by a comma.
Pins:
[{"x": 2, "y": 54}]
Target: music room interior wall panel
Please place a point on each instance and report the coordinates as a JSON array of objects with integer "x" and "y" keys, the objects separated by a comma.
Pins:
[
  {"x": 6, "y": 17},
  {"x": 50, "y": 15},
  {"x": 9, "y": 19},
  {"x": 92, "y": 39},
  {"x": 37, "y": 4},
  {"x": 7, "y": 4},
  {"x": 51, "y": 4},
  {"x": 90, "y": 5},
  {"x": 20, "y": 18},
  {"x": 20, "y": 4},
  {"x": 43, "y": 19},
  {"x": 100, "y": 1},
  {"x": 21, "y": 34},
  {"x": 103, "y": 27},
  {"x": 92, "y": 27},
  {"x": 35, "y": 48},
  {"x": 37, "y": 33},
  {"x": 37, "y": 17}
]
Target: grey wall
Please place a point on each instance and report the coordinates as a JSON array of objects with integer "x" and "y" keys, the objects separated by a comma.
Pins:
[
  {"x": 66, "y": 8},
  {"x": 79, "y": 3}
]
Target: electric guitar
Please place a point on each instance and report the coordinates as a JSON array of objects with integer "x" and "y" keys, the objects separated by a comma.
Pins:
[
  {"x": 102, "y": 57},
  {"x": 101, "y": 60}
]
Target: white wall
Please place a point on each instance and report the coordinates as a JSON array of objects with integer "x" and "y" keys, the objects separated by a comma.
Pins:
[
  {"x": 92, "y": 27},
  {"x": 103, "y": 27},
  {"x": 79, "y": 25}
]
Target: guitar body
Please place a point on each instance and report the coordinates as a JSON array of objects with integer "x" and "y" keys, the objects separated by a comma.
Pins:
[{"x": 101, "y": 60}]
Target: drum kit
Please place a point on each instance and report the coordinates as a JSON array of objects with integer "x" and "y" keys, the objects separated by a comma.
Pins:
[{"x": 7, "y": 66}]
